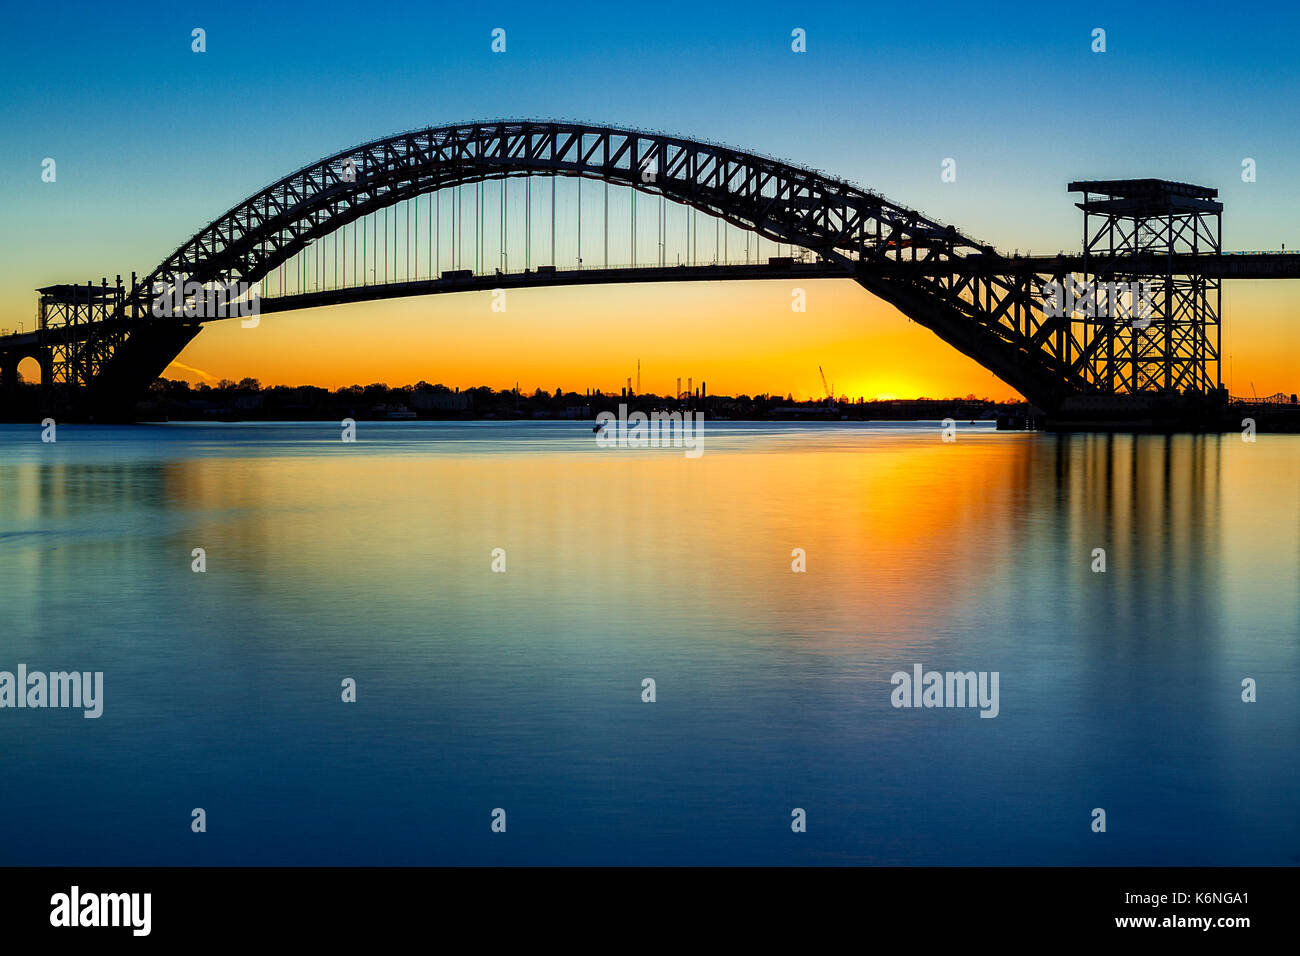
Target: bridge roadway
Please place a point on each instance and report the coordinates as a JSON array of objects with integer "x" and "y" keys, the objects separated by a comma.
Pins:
[
  {"x": 1270, "y": 265},
  {"x": 541, "y": 278},
  {"x": 1229, "y": 265},
  {"x": 778, "y": 268}
]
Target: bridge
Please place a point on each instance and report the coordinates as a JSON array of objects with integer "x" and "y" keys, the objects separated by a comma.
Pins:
[{"x": 389, "y": 219}]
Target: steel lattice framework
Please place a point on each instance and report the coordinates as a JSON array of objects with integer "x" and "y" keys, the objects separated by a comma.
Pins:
[
  {"x": 1133, "y": 230},
  {"x": 983, "y": 304}
]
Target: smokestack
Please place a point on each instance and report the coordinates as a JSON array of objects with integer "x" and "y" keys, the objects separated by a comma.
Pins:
[
  {"x": 679, "y": 387},
  {"x": 638, "y": 376}
]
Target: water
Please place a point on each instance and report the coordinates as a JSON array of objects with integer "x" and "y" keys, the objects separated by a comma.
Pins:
[{"x": 478, "y": 690}]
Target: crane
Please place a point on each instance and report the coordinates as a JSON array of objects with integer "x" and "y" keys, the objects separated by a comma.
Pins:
[{"x": 830, "y": 394}]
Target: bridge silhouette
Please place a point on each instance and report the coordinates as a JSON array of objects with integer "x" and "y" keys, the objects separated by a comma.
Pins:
[{"x": 333, "y": 232}]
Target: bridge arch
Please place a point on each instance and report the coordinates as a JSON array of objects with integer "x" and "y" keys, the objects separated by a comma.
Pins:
[
  {"x": 13, "y": 358},
  {"x": 11, "y": 399},
  {"x": 270, "y": 227},
  {"x": 35, "y": 364},
  {"x": 106, "y": 345},
  {"x": 959, "y": 288}
]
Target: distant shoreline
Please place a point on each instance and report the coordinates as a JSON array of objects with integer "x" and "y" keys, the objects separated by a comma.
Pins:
[
  {"x": 248, "y": 400},
  {"x": 521, "y": 420}
]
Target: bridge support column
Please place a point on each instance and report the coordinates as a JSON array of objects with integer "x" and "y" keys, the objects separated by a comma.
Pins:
[
  {"x": 10, "y": 361},
  {"x": 17, "y": 406},
  {"x": 1132, "y": 232},
  {"x": 9, "y": 398}
]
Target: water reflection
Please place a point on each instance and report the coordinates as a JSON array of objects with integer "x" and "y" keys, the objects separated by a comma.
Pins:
[{"x": 1119, "y": 689}]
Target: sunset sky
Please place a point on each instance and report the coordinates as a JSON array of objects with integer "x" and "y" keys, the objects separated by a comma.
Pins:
[{"x": 152, "y": 141}]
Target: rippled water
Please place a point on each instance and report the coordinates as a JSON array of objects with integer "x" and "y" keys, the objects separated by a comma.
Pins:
[{"x": 478, "y": 690}]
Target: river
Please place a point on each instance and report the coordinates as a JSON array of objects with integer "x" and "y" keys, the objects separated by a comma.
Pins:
[{"x": 522, "y": 689}]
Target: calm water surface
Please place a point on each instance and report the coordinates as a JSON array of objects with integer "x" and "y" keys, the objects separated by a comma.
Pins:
[{"x": 522, "y": 690}]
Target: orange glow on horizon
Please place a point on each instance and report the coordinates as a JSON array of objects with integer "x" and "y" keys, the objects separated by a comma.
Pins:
[{"x": 738, "y": 337}]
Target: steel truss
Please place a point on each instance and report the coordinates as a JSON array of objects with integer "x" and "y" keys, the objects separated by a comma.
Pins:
[{"x": 1132, "y": 232}]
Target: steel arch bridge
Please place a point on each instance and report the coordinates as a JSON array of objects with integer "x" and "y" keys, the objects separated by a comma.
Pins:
[{"x": 105, "y": 344}]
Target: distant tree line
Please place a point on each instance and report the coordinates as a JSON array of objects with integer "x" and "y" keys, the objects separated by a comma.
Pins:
[{"x": 249, "y": 399}]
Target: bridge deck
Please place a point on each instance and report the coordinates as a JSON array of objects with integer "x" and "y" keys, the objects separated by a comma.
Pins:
[
  {"x": 557, "y": 277},
  {"x": 1240, "y": 265},
  {"x": 1227, "y": 265},
  {"x": 531, "y": 278}
]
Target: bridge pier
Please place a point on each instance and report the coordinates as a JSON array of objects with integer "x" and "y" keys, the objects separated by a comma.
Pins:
[
  {"x": 9, "y": 378},
  {"x": 14, "y": 405},
  {"x": 1133, "y": 229},
  {"x": 11, "y": 359}
]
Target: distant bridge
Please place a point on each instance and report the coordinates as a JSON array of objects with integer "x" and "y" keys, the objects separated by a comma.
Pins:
[{"x": 388, "y": 219}]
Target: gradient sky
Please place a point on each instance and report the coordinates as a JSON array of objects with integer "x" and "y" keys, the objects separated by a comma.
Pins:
[{"x": 153, "y": 141}]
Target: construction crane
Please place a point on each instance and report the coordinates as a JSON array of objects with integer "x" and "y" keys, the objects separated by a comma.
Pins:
[{"x": 830, "y": 393}]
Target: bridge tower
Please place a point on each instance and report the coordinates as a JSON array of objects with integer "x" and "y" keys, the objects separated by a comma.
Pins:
[
  {"x": 1132, "y": 231},
  {"x": 69, "y": 315},
  {"x": 78, "y": 341}
]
